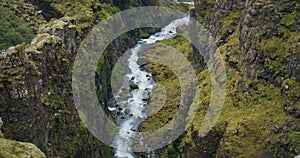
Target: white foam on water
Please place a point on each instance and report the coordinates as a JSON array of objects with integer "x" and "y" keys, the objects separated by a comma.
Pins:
[
  {"x": 145, "y": 83},
  {"x": 186, "y": 2}
]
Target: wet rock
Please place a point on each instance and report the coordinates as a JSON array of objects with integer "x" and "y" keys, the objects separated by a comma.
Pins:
[
  {"x": 126, "y": 111},
  {"x": 220, "y": 42},
  {"x": 132, "y": 78},
  {"x": 145, "y": 99},
  {"x": 145, "y": 96},
  {"x": 134, "y": 130},
  {"x": 134, "y": 86}
]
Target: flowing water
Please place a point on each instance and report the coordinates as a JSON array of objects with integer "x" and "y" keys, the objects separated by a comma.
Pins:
[
  {"x": 130, "y": 113},
  {"x": 189, "y": 2}
]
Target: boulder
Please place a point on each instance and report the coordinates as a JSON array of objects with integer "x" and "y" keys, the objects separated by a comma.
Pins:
[
  {"x": 134, "y": 86},
  {"x": 15, "y": 149}
]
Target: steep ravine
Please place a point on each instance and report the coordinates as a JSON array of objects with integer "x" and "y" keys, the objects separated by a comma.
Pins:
[
  {"x": 130, "y": 113},
  {"x": 36, "y": 97},
  {"x": 259, "y": 42}
]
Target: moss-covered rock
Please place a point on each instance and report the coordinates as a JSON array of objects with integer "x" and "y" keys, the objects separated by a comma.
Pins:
[
  {"x": 15, "y": 149},
  {"x": 25, "y": 10},
  {"x": 258, "y": 117}
]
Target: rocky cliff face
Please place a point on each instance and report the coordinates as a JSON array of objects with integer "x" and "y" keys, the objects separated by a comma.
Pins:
[
  {"x": 36, "y": 96},
  {"x": 259, "y": 41},
  {"x": 267, "y": 32},
  {"x": 36, "y": 99}
]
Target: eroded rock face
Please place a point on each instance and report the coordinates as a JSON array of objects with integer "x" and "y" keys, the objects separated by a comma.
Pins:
[
  {"x": 264, "y": 23},
  {"x": 36, "y": 98},
  {"x": 258, "y": 41},
  {"x": 257, "y": 24},
  {"x": 36, "y": 93}
]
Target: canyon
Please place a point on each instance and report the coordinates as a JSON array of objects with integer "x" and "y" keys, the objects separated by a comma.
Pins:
[{"x": 259, "y": 43}]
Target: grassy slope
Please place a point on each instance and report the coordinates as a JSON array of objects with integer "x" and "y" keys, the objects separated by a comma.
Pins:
[{"x": 249, "y": 113}]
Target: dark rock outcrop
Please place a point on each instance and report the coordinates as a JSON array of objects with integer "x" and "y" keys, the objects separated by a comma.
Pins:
[
  {"x": 36, "y": 98},
  {"x": 259, "y": 40},
  {"x": 36, "y": 94}
]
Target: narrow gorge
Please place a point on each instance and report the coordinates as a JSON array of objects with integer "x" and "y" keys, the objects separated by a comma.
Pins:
[
  {"x": 258, "y": 40},
  {"x": 131, "y": 112}
]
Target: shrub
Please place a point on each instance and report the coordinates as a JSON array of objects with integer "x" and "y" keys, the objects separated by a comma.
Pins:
[{"x": 13, "y": 30}]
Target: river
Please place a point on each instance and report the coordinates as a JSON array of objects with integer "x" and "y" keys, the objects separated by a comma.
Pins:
[{"x": 130, "y": 113}]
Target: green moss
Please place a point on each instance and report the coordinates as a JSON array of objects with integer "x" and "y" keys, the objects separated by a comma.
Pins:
[
  {"x": 231, "y": 46},
  {"x": 240, "y": 112},
  {"x": 288, "y": 19},
  {"x": 107, "y": 151},
  {"x": 171, "y": 85},
  {"x": 88, "y": 13},
  {"x": 205, "y": 9},
  {"x": 294, "y": 136},
  {"x": 229, "y": 18},
  {"x": 143, "y": 34},
  {"x": 13, "y": 30},
  {"x": 12, "y": 109},
  {"x": 243, "y": 104},
  {"x": 167, "y": 78},
  {"x": 279, "y": 50},
  {"x": 14, "y": 149},
  {"x": 171, "y": 152},
  {"x": 275, "y": 46},
  {"x": 15, "y": 74}
]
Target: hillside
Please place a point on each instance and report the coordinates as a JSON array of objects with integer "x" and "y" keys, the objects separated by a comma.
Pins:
[{"x": 258, "y": 40}]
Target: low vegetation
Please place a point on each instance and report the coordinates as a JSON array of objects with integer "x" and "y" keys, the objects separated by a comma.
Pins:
[{"x": 13, "y": 30}]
